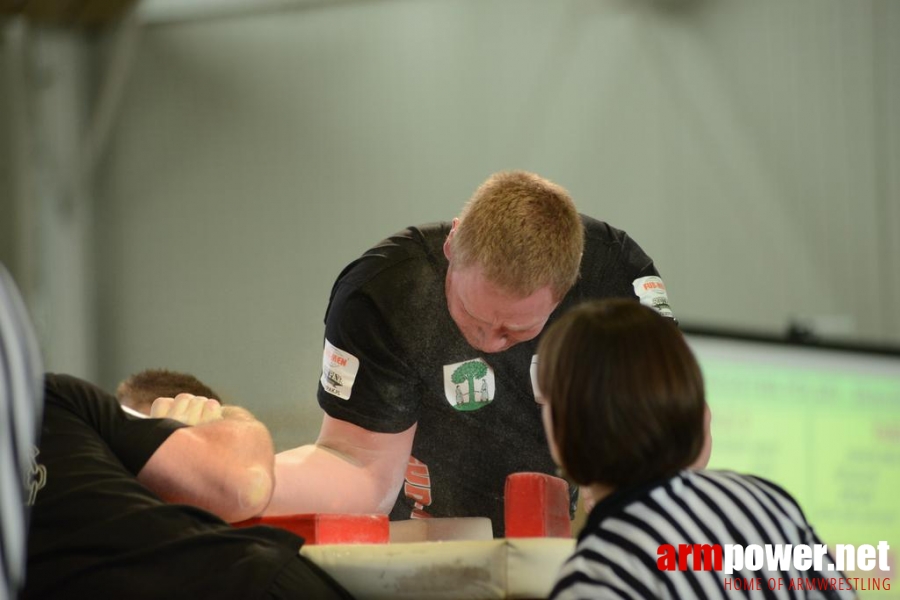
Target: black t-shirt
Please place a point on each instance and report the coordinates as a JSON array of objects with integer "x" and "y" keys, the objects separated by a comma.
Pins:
[
  {"x": 394, "y": 357},
  {"x": 97, "y": 532}
]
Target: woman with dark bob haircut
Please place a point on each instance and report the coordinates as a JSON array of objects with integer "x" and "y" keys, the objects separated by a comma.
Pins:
[{"x": 626, "y": 418}]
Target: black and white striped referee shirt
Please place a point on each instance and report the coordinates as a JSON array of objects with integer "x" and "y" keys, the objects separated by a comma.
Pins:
[
  {"x": 618, "y": 549},
  {"x": 21, "y": 392}
]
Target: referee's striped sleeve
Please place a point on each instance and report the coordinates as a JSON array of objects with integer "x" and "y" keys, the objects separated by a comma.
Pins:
[{"x": 21, "y": 394}]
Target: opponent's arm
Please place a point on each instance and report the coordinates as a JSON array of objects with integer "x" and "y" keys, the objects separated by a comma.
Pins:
[
  {"x": 348, "y": 470},
  {"x": 223, "y": 463}
]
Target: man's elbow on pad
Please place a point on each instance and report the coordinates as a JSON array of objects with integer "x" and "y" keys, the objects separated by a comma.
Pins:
[{"x": 246, "y": 495}]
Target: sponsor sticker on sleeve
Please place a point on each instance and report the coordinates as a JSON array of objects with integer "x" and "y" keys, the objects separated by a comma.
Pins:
[
  {"x": 651, "y": 291},
  {"x": 339, "y": 369}
]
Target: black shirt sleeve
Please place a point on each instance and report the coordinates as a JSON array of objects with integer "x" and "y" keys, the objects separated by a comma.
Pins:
[
  {"x": 132, "y": 439},
  {"x": 614, "y": 265},
  {"x": 365, "y": 379}
]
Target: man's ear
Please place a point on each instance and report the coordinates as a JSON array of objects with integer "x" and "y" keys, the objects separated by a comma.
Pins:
[{"x": 450, "y": 237}]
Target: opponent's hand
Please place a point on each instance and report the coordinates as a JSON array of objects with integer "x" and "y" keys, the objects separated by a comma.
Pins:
[{"x": 187, "y": 408}]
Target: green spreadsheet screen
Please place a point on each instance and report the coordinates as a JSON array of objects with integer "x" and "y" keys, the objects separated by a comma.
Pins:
[{"x": 823, "y": 423}]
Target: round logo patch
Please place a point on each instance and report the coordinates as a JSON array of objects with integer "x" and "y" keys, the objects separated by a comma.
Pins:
[{"x": 469, "y": 385}]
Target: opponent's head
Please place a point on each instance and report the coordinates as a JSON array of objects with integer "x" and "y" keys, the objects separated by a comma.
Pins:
[
  {"x": 140, "y": 390},
  {"x": 514, "y": 252},
  {"x": 622, "y": 394}
]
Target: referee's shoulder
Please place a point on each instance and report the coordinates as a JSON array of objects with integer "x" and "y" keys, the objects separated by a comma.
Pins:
[
  {"x": 724, "y": 475},
  {"x": 767, "y": 486}
]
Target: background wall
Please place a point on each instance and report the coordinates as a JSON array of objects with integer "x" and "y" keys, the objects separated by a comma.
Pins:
[{"x": 750, "y": 147}]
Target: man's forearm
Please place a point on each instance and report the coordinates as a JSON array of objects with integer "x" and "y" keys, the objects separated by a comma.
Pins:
[
  {"x": 224, "y": 466},
  {"x": 348, "y": 470},
  {"x": 313, "y": 479},
  {"x": 249, "y": 444}
]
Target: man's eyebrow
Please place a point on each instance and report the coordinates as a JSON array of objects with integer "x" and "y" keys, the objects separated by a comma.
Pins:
[
  {"x": 507, "y": 327},
  {"x": 465, "y": 308}
]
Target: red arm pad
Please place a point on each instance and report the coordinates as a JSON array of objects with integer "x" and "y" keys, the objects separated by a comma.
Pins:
[
  {"x": 320, "y": 528},
  {"x": 536, "y": 505}
]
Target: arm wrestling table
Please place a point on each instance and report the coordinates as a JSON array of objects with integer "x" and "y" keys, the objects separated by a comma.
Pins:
[
  {"x": 523, "y": 568},
  {"x": 445, "y": 558}
]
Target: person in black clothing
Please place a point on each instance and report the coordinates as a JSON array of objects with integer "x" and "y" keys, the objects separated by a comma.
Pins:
[
  {"x": 430, "y": 343},
  {"x": 129, "y": 507}
]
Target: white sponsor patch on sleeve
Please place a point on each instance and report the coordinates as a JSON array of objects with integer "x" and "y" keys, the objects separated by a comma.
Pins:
[
  {"x": 339, "y": 369},
  {"x": 652, "y": 292}
]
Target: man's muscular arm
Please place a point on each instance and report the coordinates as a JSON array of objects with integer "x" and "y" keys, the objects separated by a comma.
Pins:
[
  {"x": 224, "y": 463},
  {"x": 348, "y": 470}
]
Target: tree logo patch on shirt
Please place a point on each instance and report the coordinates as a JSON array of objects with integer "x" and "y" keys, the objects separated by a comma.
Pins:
[
  {"x": 469, "y": 385},
  {"x": 339, "y": 369}
]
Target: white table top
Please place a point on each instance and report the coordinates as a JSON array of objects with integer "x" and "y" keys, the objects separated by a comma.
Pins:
[{"x": 477, "y": 570}]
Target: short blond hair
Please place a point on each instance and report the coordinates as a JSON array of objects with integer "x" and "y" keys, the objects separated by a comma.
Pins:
[{"x": 523, "y": 231}]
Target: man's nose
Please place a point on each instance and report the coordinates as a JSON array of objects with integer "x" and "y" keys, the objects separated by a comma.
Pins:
[{"x": 495, "y": 342}]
